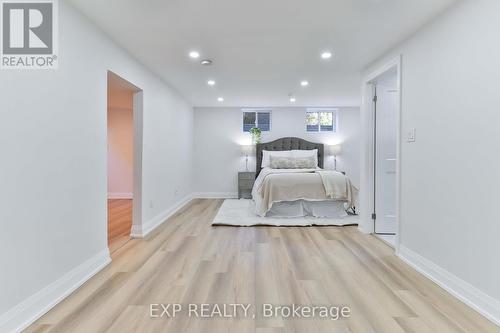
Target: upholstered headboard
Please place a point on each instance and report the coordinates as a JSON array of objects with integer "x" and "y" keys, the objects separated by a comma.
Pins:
[{"x": 289, "y": 144}]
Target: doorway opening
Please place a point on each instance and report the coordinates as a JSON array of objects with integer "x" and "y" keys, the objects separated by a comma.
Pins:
[
  {"x": 382, "y": 105},
  {"x": 124, "y": 143}
]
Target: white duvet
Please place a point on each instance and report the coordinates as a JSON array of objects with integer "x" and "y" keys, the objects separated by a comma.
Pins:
[{"x": 288, "y": 185}]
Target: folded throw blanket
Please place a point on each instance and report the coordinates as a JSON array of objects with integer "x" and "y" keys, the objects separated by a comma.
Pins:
[{"x": 337, "y": 186}]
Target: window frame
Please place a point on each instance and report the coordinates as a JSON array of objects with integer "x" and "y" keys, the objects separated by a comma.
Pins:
[
  {"x": 335, "y": 119},
  {"x": 256, "y": 111}
]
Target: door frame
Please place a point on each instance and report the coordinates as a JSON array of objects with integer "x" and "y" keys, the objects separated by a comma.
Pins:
[
  {"x": 138, "y": 112},
  {"x": 137, "y": 120},
  {"x": 367, "y": 193}
]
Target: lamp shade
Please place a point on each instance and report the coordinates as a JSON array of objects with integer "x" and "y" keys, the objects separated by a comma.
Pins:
[
  {"x": 247, "y": 150},
  {"x": 334, "y": 150}
]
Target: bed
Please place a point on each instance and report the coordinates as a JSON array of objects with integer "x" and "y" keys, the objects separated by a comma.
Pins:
[{"x": 282, "y": 190}]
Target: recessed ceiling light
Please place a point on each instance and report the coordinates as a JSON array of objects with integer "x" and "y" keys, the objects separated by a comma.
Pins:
[
  {"x": 194, "y": 54},
  {"x": 292, "y": 99},
  {"x": 220, "y": 99},
  {"x": 326, "y": 55},
  {"x": 206, "y": 62},
  {"x": 211, "y": 82},
  {"x": 304, "y": 83}
]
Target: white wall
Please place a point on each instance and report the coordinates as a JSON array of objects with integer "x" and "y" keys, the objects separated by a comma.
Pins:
[
  {"x": 120, "y": 143},
  {"x": 450, "y": 176},
  {"x": 218, "y": 136},
  {"x": 53, "y": 163},
  {"x": 120, "y": 153}
]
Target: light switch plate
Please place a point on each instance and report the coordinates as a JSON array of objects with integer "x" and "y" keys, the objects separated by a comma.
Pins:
[{"x": 411, "y": 135}]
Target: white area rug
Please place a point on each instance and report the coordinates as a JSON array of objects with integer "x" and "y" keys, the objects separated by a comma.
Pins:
[{"x": 241, "y": 213}]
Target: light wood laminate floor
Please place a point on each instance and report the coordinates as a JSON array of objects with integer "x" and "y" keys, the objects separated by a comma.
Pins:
[
  {"x": 187, "y": 260},
  {"x": 119, "y": 222}
]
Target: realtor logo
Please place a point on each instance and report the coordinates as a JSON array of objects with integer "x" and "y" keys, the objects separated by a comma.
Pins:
[{"x": 29, "y": 34}]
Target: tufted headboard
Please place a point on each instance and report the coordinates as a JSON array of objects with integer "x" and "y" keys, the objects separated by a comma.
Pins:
[{"x": 289, "y": 144}]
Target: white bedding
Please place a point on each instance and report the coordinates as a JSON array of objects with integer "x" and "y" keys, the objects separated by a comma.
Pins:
[
  {"x": 266, "y": 154},
  {"x": 302, "y": 192},
  {"x": 300, "y": 208}
]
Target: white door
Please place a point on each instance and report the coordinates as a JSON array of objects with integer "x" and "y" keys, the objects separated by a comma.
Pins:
[{"x": 385, "y": 165}]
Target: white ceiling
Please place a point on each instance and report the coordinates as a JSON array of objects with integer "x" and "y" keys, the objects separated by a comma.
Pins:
[{"x": 261, "y": 49}]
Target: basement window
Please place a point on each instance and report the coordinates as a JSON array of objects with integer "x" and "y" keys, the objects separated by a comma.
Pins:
[
  {"x": 321, "y": 120},
  {"x": 257, "y": 118}
]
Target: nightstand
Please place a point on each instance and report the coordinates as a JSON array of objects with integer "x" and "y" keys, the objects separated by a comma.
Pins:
[{"x": 245, "y": 184}]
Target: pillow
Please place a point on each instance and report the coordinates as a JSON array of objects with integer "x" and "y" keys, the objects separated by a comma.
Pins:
[
  {"x": 292, "y": 162},
  {"x": 267, "y": 153},
  {"x": 306, "y": 153}
]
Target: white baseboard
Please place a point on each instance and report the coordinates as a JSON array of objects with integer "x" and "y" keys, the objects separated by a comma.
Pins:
[
  {"x": 486, "y": 305},
  {"x": 215, "y": 195},
  {"x": 141, "y": 231},
  {"x": 148, "y": 227},
  {"x": 35, "y": 306},
  {"x": 118, "y": 195}
]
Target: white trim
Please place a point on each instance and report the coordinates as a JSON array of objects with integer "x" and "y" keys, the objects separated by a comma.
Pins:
[
  {"x": 138, "y": 115},
  {"x": 35, "y": 306},
  {"x": 385, "y": 241},
  {"x": 366, "y": 224},
  {"x": 118, "y": 195},
  {"x": 141, "y": 231},
  {"x": 216, "y": 195},
  {"x": 464, "y": 291}
]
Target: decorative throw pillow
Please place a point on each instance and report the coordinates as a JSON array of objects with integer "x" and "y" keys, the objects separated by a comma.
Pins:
[
  {"x": 292, "y": 162},
  {"x": 306, "y": 153},
  {"x": 266, "y": 154}
]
